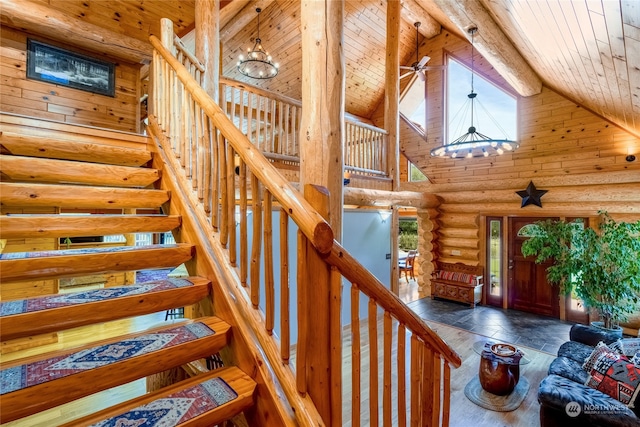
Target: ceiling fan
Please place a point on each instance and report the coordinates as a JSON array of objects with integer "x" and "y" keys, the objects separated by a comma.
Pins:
[{"x": 420, "y": 66}]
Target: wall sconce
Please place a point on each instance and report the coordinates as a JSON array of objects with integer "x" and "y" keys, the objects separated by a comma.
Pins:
[
  {"x": 384, "y": 215},
  {"x": 630, "y": 156}
]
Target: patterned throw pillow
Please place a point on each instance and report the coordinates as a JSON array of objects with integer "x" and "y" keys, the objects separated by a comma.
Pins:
[
  {"x": 626, "y": 346},
  {"x": 455, "y": 276},
  {"x": 636, "y": 359},
  {"x": 613, "y": 374},
  {"x": 602, "y": 351}
]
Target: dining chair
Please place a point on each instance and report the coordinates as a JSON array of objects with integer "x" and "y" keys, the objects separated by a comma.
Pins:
[{"x": 406, "y": 265}]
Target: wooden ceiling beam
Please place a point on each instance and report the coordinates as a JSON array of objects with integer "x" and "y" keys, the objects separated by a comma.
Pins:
[
  {"x": 39, "y": 19},
  {"x": 490, "y": 42},
  {"x": 412, "y": 12},
  {"x": 238, "y": 15}
]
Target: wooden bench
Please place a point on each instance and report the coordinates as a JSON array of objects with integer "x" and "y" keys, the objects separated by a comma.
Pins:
[{"x": 457, "y": 282}]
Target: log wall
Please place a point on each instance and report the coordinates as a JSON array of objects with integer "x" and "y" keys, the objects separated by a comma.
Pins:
[
  {"x": 578, "y": 156},
  {"x": 44, "y": 100}
]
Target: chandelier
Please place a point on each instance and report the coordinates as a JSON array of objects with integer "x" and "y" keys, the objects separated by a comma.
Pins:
[
  {"x": 258, "y": 64},
  {"x": 474, "y": 143}
]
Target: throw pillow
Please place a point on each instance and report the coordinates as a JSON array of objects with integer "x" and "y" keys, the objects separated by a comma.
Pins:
[
  {"x": 614, "y": 375},
  {"x": 636, "y": 359},
  {"x": 601, "y": 351},
  {"x": 626, "y": 346}
]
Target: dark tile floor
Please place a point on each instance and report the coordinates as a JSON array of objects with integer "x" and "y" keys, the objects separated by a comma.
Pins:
[{"x": 516, "y": 327}]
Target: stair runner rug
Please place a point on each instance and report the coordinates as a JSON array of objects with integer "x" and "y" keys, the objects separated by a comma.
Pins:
[
  {"x": 176, "y": 408},
  {"x": 30, "y": 374},
  {"x": 42, "y": 254},
  {"x": 8, "y": 308}
]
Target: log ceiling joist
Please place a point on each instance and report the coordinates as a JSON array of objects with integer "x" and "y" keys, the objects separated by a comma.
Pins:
[
  {"x": 490, "y": 42},
  {"x": 412, "y": 12},
  {"x": 39, "y": 19}
]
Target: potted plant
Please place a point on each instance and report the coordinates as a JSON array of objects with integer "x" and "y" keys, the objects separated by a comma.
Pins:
[{"x": 602, "y": 266}]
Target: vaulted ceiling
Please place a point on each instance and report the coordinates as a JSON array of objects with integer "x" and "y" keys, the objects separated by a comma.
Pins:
[{"x": 586, "y": 50}]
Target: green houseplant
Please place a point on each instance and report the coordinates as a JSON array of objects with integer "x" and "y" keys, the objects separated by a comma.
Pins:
[{"x": 602, "y": 266}]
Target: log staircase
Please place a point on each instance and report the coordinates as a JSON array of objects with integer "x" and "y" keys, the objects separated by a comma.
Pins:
[
  {"x": 209, "y": 182},
  {"x": 68, "y": 170}
]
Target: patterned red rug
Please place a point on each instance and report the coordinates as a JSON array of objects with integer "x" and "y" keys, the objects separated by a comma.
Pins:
[
  {"x": 42, "y": 371},
  {"x": 8, "y": 308},
  {"x": 176, "y": 408}
]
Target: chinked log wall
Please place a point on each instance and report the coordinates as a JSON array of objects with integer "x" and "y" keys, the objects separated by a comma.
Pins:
[
  {"x": 577, "y": 156},
  {"x": 55, "y": 102}
]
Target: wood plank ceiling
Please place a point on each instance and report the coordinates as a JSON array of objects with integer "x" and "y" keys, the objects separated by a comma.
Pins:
[{"x": 587, "y": 50}]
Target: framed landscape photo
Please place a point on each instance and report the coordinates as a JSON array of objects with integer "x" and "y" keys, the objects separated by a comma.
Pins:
[{"x": 55, "y": 65}]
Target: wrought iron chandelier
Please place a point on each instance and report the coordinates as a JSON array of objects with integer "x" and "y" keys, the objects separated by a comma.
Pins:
[
  {"x": 258, "y": 64},
  {"x": 474, "y": 143}
]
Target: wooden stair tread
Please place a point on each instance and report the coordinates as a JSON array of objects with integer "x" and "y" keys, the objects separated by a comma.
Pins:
[
  {"x": 69, "y": 149},
  {"x": 33, "y": 169},
  {"x": 52, "y": 313},
  {"x": 42, "y": 382},
  {"x": 80, "y": 197},
  {"x": 21, "y": 266},
  {"x": 238, "y": 381},
  {"x": 53, "y": 225}
]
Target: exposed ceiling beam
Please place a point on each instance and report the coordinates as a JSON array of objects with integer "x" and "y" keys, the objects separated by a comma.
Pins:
[
  {"x": 39, "y": 19},
  {"x": 239, "y": 17},
  {"x": 490, "y": 42},
  {"x": 412, "y": 12}
]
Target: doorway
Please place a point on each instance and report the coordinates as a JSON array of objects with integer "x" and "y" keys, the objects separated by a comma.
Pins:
[{"x": 527, "y": 286}]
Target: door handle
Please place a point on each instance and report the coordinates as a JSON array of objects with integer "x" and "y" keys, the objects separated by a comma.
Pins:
[{"x": 510, "y": 264}]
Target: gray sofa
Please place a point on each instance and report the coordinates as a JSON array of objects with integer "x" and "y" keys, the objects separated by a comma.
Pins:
[{"x": 566, "y": 401}]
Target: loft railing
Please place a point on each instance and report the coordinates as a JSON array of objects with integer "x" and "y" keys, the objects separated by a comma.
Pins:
[
  {"x": 243, "y": 196},
  {"x": 272, "y": 123}
]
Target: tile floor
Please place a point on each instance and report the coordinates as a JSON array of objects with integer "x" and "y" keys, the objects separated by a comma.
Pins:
[{"x": 516, "y": 327}]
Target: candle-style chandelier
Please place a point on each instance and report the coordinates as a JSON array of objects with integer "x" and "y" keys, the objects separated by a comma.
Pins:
[{"x": 258, "y": 64}]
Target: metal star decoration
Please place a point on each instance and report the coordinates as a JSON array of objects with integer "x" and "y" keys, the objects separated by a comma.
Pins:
[{"x": 531, "y": 195}]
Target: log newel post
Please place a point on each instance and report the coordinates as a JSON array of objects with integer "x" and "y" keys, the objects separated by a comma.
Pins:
[
  {"x": 208, "y": 43},
  {"x": 323, "y": 101},
  {"x": 166, "y": 34},
  {"x": 323, "y": 290}
]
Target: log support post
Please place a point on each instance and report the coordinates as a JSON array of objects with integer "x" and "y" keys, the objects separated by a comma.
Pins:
[
  {"x": 392, "y": 91},
  {"x": 208, "y": 43},
  {"x": 320, "y": 329},
  {"x": 323, "y": 101}
]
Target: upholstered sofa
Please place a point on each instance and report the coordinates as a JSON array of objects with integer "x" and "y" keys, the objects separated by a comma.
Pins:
[{"x": 564, "y": 398}]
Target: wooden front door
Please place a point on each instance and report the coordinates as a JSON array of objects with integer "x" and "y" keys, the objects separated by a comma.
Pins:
[{"x": 528, "y": 289}]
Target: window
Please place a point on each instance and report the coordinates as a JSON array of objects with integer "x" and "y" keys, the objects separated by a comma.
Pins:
[
  {"x": 412, "y": 103},
  {"x": 415, "y": 174},
  {"x": 494, "y": 112}
]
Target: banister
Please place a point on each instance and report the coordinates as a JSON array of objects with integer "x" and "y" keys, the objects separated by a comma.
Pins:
[
  {"x": 259, "y": 91},
  {"x": 366, "y": 126},
  {"x": 351, "y": 269},
  {"x": 348, "y": 118},
  {"x": 310, "y": 222},
  {"x": 183, "y": 49}
]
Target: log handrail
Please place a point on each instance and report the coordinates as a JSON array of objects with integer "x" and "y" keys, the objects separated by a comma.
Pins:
[
  {"x": 310, "y": 222},
  {"x": 231, "y": 178},
  {"x": 353, "y": 271}
]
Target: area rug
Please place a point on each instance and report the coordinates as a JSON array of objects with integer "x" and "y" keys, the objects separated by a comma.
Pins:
[
  {"x": 73, "y": 252},
  {"x": 477, "y": 395},
  {"x": 176, "y": 408},
  {"x": 30, "y": 374},
  {"x": 8, "y": 308}
]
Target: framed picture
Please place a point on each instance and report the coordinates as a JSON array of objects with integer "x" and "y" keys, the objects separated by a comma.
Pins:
[{"x": 54, "y": 65}]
